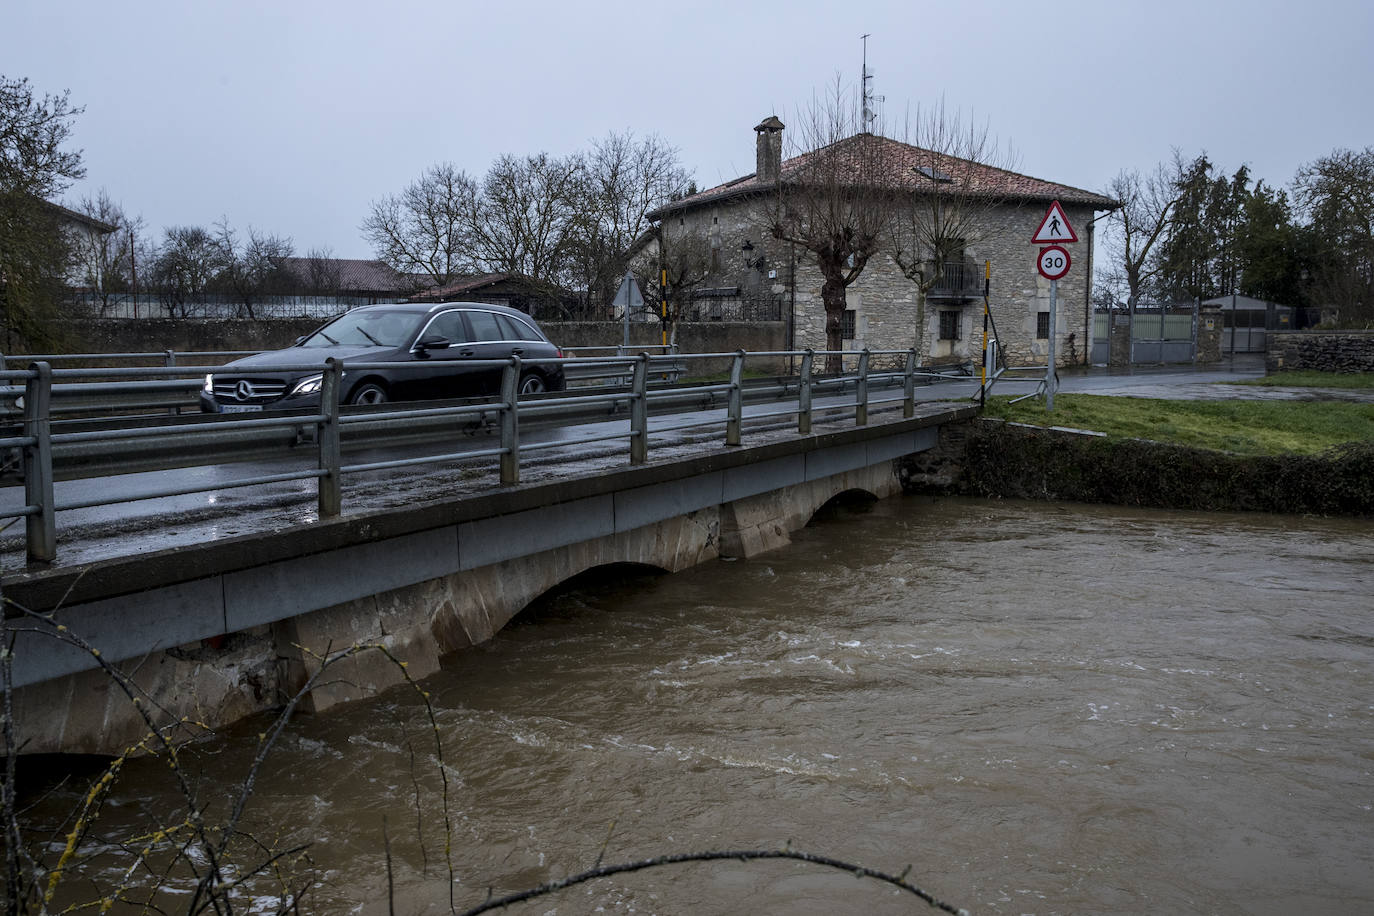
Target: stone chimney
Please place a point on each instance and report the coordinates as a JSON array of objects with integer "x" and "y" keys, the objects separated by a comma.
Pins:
[{"x": 769, "y": 154}]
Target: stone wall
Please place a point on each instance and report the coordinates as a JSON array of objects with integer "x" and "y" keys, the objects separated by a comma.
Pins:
[
  {"x": 885, "y": 302},
  {"x": 145, "y": 335},
  {"x": 1323, "y": 351},
  {"x": 150, "y": 335}
]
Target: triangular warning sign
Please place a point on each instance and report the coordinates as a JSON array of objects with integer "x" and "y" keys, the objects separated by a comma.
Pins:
[{"x": 1054, "y": 228}]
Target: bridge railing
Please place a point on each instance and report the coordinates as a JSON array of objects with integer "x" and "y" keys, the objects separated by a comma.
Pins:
[{"x": 37, "y": 455}]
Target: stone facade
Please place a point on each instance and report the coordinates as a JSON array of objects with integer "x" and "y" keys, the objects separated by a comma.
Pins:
[
  {"x": 885, "y": 303},
  {"x": 887, "y": 313},
  {"x": 1324, "y": 351}
]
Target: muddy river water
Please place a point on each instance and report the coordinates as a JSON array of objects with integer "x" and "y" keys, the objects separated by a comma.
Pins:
[{"x": 1041, "y": 708}]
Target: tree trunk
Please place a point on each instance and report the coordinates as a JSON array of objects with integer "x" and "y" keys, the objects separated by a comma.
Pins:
[
  {"x": 832, "y": 294},
  {"x": 920, "y": 342}
]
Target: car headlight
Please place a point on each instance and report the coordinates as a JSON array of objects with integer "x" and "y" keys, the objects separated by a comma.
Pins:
[
  {"x": 311, "y": 384},
  {"x": 209, "y": 386}
]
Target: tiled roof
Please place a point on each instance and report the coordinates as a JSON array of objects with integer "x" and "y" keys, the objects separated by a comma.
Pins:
[
  {"x": 356, "y": 274},
  {"x": 469, "y": 285},
  {"x": 902, "y": 160}
]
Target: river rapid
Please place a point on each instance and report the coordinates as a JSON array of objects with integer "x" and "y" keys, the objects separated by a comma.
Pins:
[{"x": 1041, "y": 708}]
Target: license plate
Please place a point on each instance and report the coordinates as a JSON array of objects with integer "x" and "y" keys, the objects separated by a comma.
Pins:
[{"x": 239, "y": 408}]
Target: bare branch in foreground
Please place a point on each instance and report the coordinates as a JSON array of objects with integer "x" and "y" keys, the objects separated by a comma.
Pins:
[{"x": 739, "y": 855}]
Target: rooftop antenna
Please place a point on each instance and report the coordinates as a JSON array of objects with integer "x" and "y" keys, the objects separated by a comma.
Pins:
[{"x": 869, "y": 115}]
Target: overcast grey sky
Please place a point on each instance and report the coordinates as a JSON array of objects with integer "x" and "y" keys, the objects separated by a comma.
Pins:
[{"x": 293, "y": 115}]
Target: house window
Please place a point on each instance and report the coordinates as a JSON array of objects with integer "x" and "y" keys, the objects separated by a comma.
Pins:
[
  {"x": 847, "y": 325},
  {"x": 1042, "y": 326},
  {"x": 949, "y": 325}
]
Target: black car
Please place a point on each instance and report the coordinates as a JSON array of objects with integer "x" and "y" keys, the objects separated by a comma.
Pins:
[{"x": 441, "y": 340}]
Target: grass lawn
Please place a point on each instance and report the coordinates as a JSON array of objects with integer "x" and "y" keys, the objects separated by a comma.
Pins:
[
  {"x": 1308, "y": 379},
  {"x": 1243, "y": 427}
]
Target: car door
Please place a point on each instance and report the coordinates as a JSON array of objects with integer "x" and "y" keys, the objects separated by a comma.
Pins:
[
  {"x": 446, "y": 373},
  {"x": 490, "y": 341}
]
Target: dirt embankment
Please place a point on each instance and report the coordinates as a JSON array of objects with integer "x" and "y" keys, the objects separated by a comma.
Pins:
[{"x": 992, "y": 458}]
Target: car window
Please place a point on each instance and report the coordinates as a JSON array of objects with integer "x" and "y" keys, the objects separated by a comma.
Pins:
[
  {"x": 515, "y": 329},
  {"x": 365, "y": 328},
  {"x": 484, "y": 326},
  {"x": 450, "y": 325}
]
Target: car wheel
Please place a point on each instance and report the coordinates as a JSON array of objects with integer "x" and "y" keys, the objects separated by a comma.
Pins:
[
  {"x": 368, "y": 393},
  {"x": 532, "y": 384}
]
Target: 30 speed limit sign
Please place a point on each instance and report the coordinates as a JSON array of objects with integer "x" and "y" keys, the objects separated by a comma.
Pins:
[{"x": 1053, "y": 262}]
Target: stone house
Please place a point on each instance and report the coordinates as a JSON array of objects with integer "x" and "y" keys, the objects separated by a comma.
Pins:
[{"x": 762, "y": 275}]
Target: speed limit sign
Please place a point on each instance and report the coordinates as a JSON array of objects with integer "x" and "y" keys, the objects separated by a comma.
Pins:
[{"x": 1053, "y": 262}]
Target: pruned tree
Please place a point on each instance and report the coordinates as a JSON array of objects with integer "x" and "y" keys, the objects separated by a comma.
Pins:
[
  {"x": 106, "y": 261},
  {"x": 1336, "y": 195},
  {"x": 945, "y": 202},
  {"x": 424, "y": 230},
  {"x": 833, "y": 202},
  {"x": 252, "y": 268},
  {"x": 35, "y": 165}
]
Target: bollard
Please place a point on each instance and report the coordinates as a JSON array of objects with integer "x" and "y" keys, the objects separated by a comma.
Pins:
[
  {"x": 804, "y": 393},
  {"x": 40, "y": 528},
  {"x": 861, "y": 391},
  {"x": 510, "y": 423},
  {"x": 330, "y": 486},
  {"x": 639, "y": 411},
  {"x": 735, "y": 411},
  {"x": 909, "y": 385}
]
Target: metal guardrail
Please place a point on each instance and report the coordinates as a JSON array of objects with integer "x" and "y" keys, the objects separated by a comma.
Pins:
[{"x": 43, "y": 455}]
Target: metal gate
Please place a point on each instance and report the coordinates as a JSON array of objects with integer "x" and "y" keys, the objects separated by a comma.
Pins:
[{"x": 1160, "y": 335}]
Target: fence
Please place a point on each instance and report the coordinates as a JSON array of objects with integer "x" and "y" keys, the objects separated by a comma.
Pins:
[
  {"x": 217, "y": 306},
  {"x": 1159, "y": 335}
]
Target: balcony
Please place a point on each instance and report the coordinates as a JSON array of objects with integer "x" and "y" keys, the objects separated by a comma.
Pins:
[{"x": 956, "y": 281}]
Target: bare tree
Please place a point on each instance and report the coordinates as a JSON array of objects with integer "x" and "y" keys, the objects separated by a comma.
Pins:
[
  {"x": 1143, "y": 219},
  {"x": 250, "y": 269},
  {"x": 106, "y": 260},
  {"x": 684, "y": 260},
  {"x": 624, "y": 178},
  {"x": 1336, "y": 194},
  {"x": 522, "y": 222},
  {"x": 187, "y": 261},
  {"x": 424, "y": 229},
  {"x": 322, "y": 274},
  {"x": 833, "y": 201},
  {"x": 947, "y": 177}
]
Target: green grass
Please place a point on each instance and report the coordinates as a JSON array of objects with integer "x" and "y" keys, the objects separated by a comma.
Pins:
[
  {"x": 1311, "y": 379},
  {"x": 1243, "y": 427}
]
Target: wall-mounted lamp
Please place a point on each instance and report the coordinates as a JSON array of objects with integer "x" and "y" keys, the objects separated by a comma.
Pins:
[{"x": 747, "y": 249}]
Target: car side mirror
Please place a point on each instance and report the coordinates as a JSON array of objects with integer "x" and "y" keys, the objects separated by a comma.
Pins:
[
  {"x": 299, "y": 340},
  {"x": 433, "y": 342}
]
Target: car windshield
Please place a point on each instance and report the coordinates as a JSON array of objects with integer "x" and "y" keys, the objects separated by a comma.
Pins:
[{"x": 366, "y": 328}]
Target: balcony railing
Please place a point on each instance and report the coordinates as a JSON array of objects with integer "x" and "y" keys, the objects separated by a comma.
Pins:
[{"x": 956, "y": 281}]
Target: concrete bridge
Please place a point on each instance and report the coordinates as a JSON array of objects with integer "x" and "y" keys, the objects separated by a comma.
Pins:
[{"x": 221, "y": 629}]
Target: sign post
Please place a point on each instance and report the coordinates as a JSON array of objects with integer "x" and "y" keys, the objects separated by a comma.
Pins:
[{"x": 1053, "y": 263}]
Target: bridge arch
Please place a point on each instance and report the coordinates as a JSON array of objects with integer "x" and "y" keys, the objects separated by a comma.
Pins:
[{"x": 600, "y": 579}]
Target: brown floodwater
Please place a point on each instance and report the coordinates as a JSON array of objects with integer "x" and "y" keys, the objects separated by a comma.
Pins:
[{"x": 1041, "y": 708}]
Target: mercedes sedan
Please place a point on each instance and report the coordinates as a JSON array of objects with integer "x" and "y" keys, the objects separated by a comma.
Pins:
[{"x": 441, "y": 341}]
